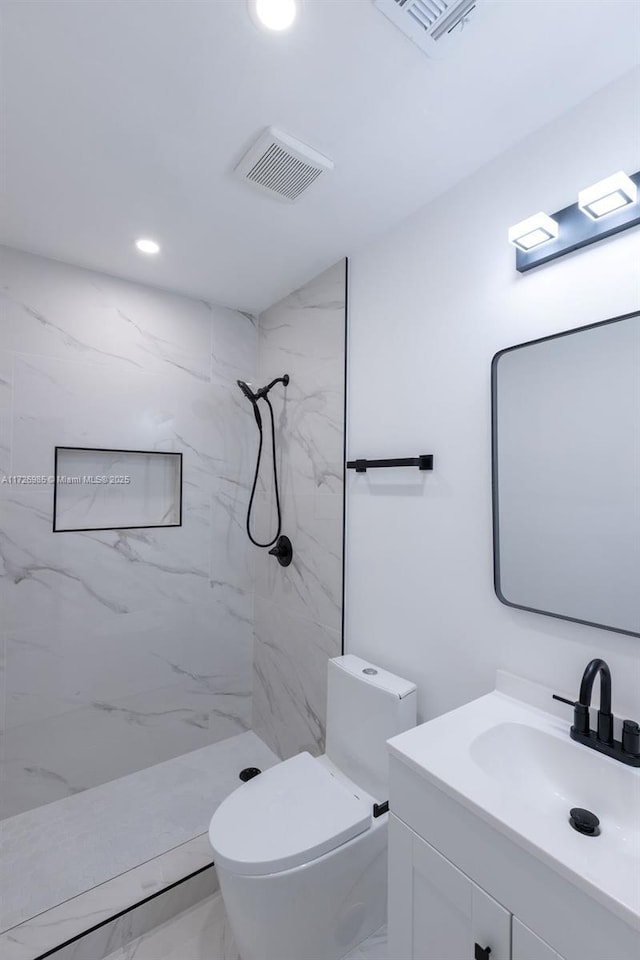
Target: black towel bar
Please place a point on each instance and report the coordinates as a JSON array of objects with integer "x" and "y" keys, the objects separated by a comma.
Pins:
[{"x": 423, "y": 462}]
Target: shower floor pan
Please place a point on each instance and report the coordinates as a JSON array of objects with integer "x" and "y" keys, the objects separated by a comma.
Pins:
[{"x": 74, "y": 863}]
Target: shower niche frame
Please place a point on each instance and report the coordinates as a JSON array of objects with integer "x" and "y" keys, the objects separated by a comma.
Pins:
[{"x": 171, "y": 489}]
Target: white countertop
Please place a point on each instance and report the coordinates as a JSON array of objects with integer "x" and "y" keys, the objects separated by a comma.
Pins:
[{"x": 515, "y": 766}]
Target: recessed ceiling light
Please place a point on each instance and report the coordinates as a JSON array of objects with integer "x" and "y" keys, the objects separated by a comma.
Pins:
[
  {"x": 273, "y": 14},
  {"x": 607, "y": 195},
  {"x": 533, "y": 231},
  {"x": 145, "y": 245}
]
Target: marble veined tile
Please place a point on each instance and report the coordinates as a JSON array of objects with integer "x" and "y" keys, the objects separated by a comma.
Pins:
[
  {"x": 82, "y": 404},
  {"x": 3, "y": 690},
  {"x": 234, "y": 345},
  {"x": 200, "y": 933},
  {"x": 305, "y": 333},
  {"x": 139, "y": 922},
  {"x": 116, "y": 826},
  {"x": 99, "y": 904},
  {"x": 64, "y": 311},
  {"x": 311, "y": 586},
  {"x": 324, "y": 295},
  {"x": 44, "y": 576},
  {"x": 309, "y": 437},
  {"x": 232, "y": 555},
  {"x": 5, "y": 442},
  {"x": 290, "y": 679},
  {"x": 65, "y": 755},
  {"x": 125, "y": 570},
  {"x": 311, "y": 433},
  {"x": 73, "y": 664},
  {"x": 6, "y": 379},
  {"x": 298, "y": 610},
  {"x": 203, "y": 933},
  {"x": 140, "y": 638}
]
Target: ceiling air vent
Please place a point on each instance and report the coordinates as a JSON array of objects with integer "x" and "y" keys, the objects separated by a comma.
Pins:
[
  {"x": 431, "y": 24},
  {"x": 282, "y": 166}
]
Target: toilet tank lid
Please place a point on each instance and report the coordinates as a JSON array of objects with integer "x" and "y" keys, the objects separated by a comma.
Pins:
[
  {"x": 289, "y": 815},
  {"x": 374, "y": 675}
]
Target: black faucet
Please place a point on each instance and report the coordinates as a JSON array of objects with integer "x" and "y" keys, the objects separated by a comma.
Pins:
[
  {"x": 605, "y": 717},
  {"x": 626, "y": 750}
]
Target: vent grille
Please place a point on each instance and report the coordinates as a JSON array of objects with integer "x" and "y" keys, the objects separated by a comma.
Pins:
[
  {"x": 282, "y": 166},
  {"x": 428, "y": 22},
  {"x": 426, "y": 13},
  {"x": 283, "y": 173}
]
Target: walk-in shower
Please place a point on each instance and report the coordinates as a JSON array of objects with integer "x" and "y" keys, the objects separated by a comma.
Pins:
[
  {"x": 282, "y": 550},
  {"x": 145, "y": 668}
]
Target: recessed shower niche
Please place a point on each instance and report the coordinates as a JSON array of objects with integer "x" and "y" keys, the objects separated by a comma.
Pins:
[{"x": 99, "y": 489}]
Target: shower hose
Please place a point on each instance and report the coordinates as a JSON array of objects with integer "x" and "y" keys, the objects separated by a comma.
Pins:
[{"x": 275, "y": 480}]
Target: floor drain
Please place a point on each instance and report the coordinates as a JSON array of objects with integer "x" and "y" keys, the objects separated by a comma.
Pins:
[
  {"x": 584, "y": 822},
  {"x": 249, "y": 773}
]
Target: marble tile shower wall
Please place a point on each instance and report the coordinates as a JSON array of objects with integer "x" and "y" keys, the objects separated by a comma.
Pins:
[
  {"x": 298, "y": 609},
  {"x": 120, "y": 649}
]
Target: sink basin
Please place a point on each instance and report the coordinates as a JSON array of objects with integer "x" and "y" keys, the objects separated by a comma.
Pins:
[
  {"x": 516, "y": 766},
  {"x": 550, "y": 775}
]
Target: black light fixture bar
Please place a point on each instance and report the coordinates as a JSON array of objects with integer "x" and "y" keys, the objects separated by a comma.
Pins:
[
  {"x": 576, "y": 230},
  {"x": 423, "y": 462}
]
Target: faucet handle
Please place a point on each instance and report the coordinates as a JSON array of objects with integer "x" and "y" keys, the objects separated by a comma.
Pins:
[
  {"x": 631, "y": 737},
  {"x": 580, "y": 714},
  {"x": 571, "y": 703}
]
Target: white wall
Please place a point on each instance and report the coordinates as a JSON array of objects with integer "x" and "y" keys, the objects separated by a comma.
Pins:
[{"x": 430, "y": 303}]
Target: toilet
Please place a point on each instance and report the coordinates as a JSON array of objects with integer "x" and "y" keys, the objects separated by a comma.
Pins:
[{"x": 301, "y": 850}]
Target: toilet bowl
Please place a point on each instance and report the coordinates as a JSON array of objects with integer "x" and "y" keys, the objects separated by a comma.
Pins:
[{"x": 301, "y": 850}]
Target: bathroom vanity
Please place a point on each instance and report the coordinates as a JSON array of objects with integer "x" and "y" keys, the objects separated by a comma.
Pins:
[{"x": 483, "y": 862}]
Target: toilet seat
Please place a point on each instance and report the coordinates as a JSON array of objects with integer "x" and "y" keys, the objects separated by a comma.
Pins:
[{"x": 291, "y": 814}]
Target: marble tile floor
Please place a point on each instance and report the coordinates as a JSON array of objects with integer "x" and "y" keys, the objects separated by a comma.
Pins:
[
  {"x": 203, "y": 933},
  {"x": 116, "y": 826}
]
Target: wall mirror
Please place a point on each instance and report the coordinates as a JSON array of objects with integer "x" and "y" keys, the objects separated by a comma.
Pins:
[{"x": 566, "y": 475}]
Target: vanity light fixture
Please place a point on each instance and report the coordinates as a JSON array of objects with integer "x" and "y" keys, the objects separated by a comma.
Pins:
[
  {"x": 145, "y": 245},
  {"x": 603, "y": 209},
  {"x": 533, "y": 231},
  {"x": 273, "y": 14},
  {"x": 608, "y": 195}
]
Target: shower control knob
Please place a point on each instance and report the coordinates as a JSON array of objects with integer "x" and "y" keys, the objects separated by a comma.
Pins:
[{"x": 283, "y": 551}]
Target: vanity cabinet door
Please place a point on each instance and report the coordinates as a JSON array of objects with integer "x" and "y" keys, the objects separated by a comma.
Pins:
[
  {"x": 527, "y": 946},
  {"x": 435, "y": 911}
]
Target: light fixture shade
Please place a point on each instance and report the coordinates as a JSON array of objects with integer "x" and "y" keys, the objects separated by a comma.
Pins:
[
  {"x": 608, "y": 195},
  {"x": 533, "y": 231}
]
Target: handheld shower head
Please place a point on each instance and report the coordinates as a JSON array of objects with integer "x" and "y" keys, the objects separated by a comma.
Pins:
[
  {"x": 251, "y": 397},
  {"x": 246, "y": 389}
]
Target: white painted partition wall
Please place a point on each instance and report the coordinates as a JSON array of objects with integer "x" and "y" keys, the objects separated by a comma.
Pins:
[{"x": 430, "y": 303}]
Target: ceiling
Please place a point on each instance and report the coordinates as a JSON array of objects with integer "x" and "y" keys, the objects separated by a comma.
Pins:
[{"x": 125, "y": 118}]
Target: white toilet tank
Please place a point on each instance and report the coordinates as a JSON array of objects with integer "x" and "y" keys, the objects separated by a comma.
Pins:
[{"x": 365, "y": 707}]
